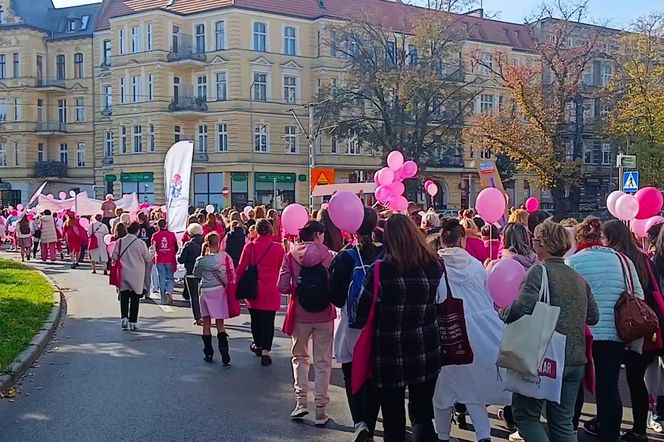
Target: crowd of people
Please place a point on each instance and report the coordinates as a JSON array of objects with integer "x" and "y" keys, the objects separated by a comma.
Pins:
[{"x": 391, "y": 275}]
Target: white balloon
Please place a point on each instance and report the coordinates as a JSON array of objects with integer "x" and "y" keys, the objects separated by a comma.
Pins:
[{"x": 209, "y": 208}]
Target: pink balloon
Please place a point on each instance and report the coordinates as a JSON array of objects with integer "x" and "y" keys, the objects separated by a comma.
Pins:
[
  {"x": 611, "y": 201},
  {"x": 375, "y": 178},
  {"x": 532, "y": 204},
  {"x": 398, "y": 203},
  {"x": 432, "y": 189},
  {"x": 490, "y": 204},
  {"x": 20, "y": 206},
  {"x": 650, "y": 202},
  {"x": 638, "y": 226},
  {"x": 346, "y": 211},
  {"x": 50, "y": 196},
  {"x": 108, "y": 239},
  {"x": 62, "y": 195},
  {"x": 504, "y": 280},
  {"x": 31, "y": 216},
  {"x": 294, "y": 217},
  {"x": 397, "y": 188},
  {"x": 427, "y": 183},
  {"x": 12, "y": 228},
  {"x": 84, "y": 222},
  {"x": 408, "y": 170},
  {"x": 383, "y": 193},
  {"x": 395, "y": 160},
  {"x": 627, "y": 207},
  {"x": 110, "y": 247},
  {"x": 651, "y": 222},
  {"x": 163, "y": 209},
  {"x": 385, "y": 176}
]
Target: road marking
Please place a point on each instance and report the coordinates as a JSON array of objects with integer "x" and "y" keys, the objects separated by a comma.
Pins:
[{"x": 166, "y": 308}]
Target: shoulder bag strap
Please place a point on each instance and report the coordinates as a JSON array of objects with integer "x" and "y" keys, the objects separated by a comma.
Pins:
[
  {"x": 376, "y": 285},
  {"x": 627, "y": 274},
  {"x": 264, "y": 254},
  {"x": 544, "y": 293},
  {"x": 359, "y": 256},
  {"x": 447, "y": 281},
  {"x": 122, "y": 252}
]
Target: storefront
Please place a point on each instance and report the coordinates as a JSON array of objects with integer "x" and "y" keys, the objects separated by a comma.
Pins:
[
  {"x": 208, "y": 189},
  {"x": 9, "y": 197},
  {"x": 141, "y": 183},
  {"x": 275, "y": 189},
  {"x": 239, "y": 190}
]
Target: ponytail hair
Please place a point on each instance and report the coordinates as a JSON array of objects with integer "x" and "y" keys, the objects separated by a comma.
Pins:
[{"x": 452, "y": 232}]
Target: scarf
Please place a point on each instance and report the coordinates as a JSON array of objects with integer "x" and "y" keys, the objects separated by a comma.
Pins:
[{"x": 587, "y": 245}]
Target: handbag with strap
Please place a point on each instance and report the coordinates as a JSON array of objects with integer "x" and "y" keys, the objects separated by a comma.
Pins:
[
  {"x": 93, "y": 242},
  {"x": 526, "y": 340},
  {"x": 634, "y": 317},
  {"x": 455, "y": 345},
  {"x": 247, "y": 286},
  {"x": 362, "y": 367},
  {"x": 231, "y": 290},
  {"x": 115, "y": 275}
]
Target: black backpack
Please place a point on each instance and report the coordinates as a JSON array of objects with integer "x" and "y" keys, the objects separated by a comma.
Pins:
[
  {"x": 247, "y": 286},
  {"x": 312, "y": 289}
]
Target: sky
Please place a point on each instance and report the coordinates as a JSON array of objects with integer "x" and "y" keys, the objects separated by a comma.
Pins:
[{"x": 614, "y": 13}]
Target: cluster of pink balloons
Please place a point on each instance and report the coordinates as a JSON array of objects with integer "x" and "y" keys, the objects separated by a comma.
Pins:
[
  {"x": 491, "y": 204},
  {"x": 645, "y": 204},
  {"x": 389, "y": 181},
  {"x": 430, "y": 187}
]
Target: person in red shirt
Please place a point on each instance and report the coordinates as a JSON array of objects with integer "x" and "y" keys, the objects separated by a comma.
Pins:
[
  {"x": 166, "y": 247},
  {"x": 212, "y": 225}
]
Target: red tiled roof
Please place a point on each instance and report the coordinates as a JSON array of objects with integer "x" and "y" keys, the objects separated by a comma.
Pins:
[{"x": 390, "y": 14}]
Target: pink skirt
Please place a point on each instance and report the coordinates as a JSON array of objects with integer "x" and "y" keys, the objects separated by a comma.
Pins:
[
  {"x": 213, "y": 303},
  {"x": 25, "y": 242}
]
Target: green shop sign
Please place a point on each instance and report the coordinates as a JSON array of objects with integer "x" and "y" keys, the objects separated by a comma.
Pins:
[
  {"x": 137, "y": 177},
  {"x": 302, "y": 178},
  {"x": 110, "y": 178},
  {"x": 279, "y": 177},
  {"x": 239, "y": 176}
]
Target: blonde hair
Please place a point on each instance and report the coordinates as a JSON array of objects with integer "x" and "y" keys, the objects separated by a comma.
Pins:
[
  {"x": 553, "y": 238},
  {"x": 519, "y": 216},
  {"x": 590, "y": 230},
  {"x": 430, "y": 219},
  {"x": 469, "y": 225}
]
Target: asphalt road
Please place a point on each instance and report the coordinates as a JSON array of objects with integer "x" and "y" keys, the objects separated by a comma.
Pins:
[{"x": 96, "y": 382}]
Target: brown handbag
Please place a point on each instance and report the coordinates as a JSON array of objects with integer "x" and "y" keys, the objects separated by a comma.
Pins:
[{"x": 634, "y": 318}]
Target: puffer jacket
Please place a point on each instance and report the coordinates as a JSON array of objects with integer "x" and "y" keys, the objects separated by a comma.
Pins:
[
  {"x": 189, "y": 252},
  {"x": 49, "y": 234},
  {"x": 600, "y": 266}
]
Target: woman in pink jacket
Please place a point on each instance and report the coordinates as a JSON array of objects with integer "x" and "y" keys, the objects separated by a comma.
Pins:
[{"x": 267, "y": 256}]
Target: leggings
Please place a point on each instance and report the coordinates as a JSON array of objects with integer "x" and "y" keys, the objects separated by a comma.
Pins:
[
  {"x": 635, "y": 369},
  {"x": 478, "y": 415},
  {"x": 262, "y": 328}
]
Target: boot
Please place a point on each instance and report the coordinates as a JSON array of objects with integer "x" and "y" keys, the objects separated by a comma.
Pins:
[
  {"x": 223, "y": 349},
  {"x": 208, "y": 351}
]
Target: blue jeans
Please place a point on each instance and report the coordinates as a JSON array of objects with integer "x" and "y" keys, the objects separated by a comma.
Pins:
[
  {"x": 166, "y": 281},
  {"x": 154, "y": 278},
  {"x": 527, "y": 411}
]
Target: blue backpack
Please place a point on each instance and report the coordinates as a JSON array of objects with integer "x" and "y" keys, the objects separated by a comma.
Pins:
[{"x": 355, "y": 287}]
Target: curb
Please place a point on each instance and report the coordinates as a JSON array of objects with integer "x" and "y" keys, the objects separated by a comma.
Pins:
[{"x": 28, "y": 356}]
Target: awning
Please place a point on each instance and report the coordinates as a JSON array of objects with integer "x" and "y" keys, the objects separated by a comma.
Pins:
[{"x": 330, "y": 189}]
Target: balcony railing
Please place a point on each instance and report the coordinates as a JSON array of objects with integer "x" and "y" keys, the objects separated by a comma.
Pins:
[
  {"x": 46, "y": 169},
  {"x": 447, "y": 161},
  {"x": 50, "y": 82},
  {"x": 105, "y": 65},
  {"x": 188, "y": 104},
  {"x": 44, "y": 126},
  {"x": 186, "y": 50},
  {"x": 201, "y": 157},
  {"x": 107, "y": 111},
  {"x": 107, "y": 161}
]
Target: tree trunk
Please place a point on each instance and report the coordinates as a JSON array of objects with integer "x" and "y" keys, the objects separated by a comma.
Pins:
[{"x": 560, "y": 201}]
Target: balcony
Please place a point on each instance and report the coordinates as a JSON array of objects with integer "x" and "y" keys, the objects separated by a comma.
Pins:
[
  {"x": 52, "y": 84},
  {"x": 446, "y": 161},
  {"x": 184, "y": 51},
  {"x": 46, "y": 128},
  {"x": 107, "y": 161},
  {"x": 107, "y": 111},
  {"x": 50, "y": 169},
  {"x": 188, "y": 104},
  {"x": 201, "y": 157},
  {"x": 105, "y": 65}
]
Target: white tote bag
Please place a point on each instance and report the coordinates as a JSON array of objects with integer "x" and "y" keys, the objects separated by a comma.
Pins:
[
  {"x": 548, "y": 383},
  {"x": 525, "y": 340}
]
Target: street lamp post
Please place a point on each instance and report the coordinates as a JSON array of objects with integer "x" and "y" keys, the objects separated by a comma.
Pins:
[{"x": 252, "y": 141}]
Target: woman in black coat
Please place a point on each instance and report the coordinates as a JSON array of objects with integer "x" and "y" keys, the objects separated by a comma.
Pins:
[{"x": 190, "y": 251}]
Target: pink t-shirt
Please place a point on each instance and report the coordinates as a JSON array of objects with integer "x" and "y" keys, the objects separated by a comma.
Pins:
[{"x": 165, "y": 245}]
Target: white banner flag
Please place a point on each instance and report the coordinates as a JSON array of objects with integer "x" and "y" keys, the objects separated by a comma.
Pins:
[{"x": 177, "y": 176}]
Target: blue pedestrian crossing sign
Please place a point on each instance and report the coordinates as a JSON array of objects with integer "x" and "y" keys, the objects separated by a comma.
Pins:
[{"x": 631, "y": 181}]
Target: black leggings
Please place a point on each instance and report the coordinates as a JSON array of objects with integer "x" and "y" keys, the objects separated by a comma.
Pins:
[
  {"x": 364, "y": 405},
  {"x": 129, "y": 302},
  {"x": 635, "y": 370},
  {"x": 420, "y": 411},
  {"x": 262, "y": 328}
]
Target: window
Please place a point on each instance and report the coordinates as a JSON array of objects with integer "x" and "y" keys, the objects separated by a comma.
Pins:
[
  {"x": 221, "y": 86},
  {"x": 606, "y": 73},
  {"x": 60, "y": 67},
  {"x": 260, "y": 87},
  {"x": 148, "y": 31},
  {"x": 605, "y": 108},
  {"x": 260, "y": 37},
  {"x": 123, "y": 140},
  {"x": 335, "y": 145},
  {"x": 123, "y": 93},
  {"x": 353, "y": 146},
  {"x": 290, "y": 40},
  {"x": 570, "y": 111},
  {"x": 2, "y": 16},
  {"x": 40, "y": 69},
  {"x": 144, "y": 190},
  {"x": 487, "y": 63},
  {"x": 202, "y": 138},
  {"x": 412, "y": 55},
  {"x": 208, "y": 189},
  {"x": 606, "y": 154},
  {"x": 71, "y": 25},
  {"x": 108, "y": 144},
  {"x": 106, "y": 49},
  {"x": 177, "y": 131},
  {"x": 588, "y": 109},
  {"x": 78, "y": 65},
  {"x": 290, "y": 89},
  {"x": 175, "y": 36},
  {"x": 3, "y": 66},
  {"x": 17, "y": 109},
  {"x": 40, "y": 110},
  {"x": 176, "y": 89},
  {"x": 152, "y": 141},
  {"x": 121, "y": 42},
  {"x": 222, "y": 137},
  {"x": 17, "y": 61},
  {"x": 150, "y": 87},
  {"x": 80, "y": 110},
  {"x": 62, "y": 111},
  {"x": 391, "y": 51},
  {"x": 80, "y": 154},
  {"x": 318, "y": 44},
  {"x": 17, "y": 155},
  {"x": 486, "y": 104},
  {"x": 200, "y": 38},
  {"x": 138, "y": 139},
  {"x": 135, "y": 39},
  {"x": 41, "y": 153},
  {"x": 3, "y": 109},
  {"x": 260, "y": 138},
  {"x": 201, "y": 85},
  {"x": 220, "y": 35},
  {"x": 64, "y": 153},
  {"x": 136, "y": 89},
  {"x": 587, "y": 153},
  {"x": 333, "y": 44},
  {"x": 3, "y": 155},
  {"x": 290, "y": 139},
  {"x": 588, "y": 75}
]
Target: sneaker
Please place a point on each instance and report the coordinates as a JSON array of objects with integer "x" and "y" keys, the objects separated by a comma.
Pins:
[
  {"x": 125, "y": 323},
  {"x": 321, "y": 416},
  {"x": 630, "y": 436},
  {"x": 511, "y": 426},
  {"x": 515, "y": 437},
  {"x": 654, "y": 425},
  {"x": 592, "y": 427},
  {"x": 299, "y": 411},
  {"x": 361, "y": 432},
  {"x": 132, "y": 326}
]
